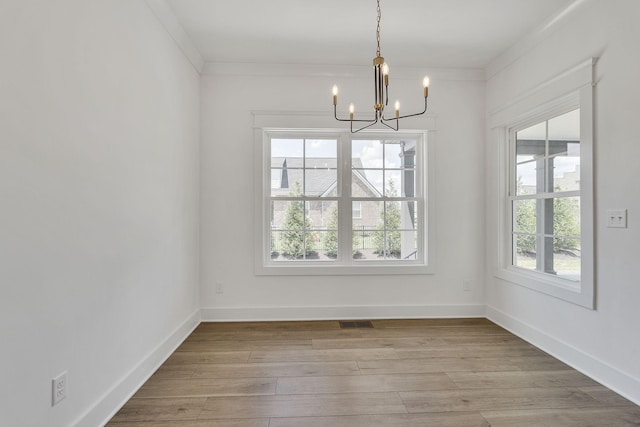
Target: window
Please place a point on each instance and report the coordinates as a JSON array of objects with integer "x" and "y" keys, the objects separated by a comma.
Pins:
[
  {"x": 546, "y": 209},
  {"x": 356, "y": 210},
  {"x": 338, "y": 203},
  {"x": 545, "y": 196}
]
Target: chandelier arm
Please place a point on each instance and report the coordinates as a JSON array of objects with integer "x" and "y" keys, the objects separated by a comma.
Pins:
[
  {"x": 364, "y": 127},
  {"x": 382, "y": 120},
  {"x": 408, "y": 115},
  {"x": 335, "y": 115}
]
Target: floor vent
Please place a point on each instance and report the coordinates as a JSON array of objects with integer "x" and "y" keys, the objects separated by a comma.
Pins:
[{"x": 356, "y": 324}]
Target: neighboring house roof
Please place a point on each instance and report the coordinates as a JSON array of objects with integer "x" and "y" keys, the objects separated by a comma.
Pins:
[{"x": 319, "y": 180}]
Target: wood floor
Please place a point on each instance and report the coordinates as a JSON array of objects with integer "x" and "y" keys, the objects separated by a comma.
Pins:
[{"x": 437, "y": 372}]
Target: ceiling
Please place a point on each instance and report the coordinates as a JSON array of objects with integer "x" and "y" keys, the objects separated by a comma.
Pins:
[{"x": 414, "y": 33}]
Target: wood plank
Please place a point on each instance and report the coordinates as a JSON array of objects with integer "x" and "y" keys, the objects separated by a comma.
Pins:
[
  {"x": 413, "y": 323},
  {"x": 459, "y": 364},
  {"x": 483, "y": 339},
  {"x": 496, "y": 399},
  {"x": 289, "y": 369},
  {"x": 254, "y": 422},
  {"x": 363, "y": 383},
  {"x": 330, "y": 355},
  {"x": 282, "y": 335},
  {"x": 136, "y": 410},
  {"x": 207, "y": 357},
  {"x": 520, "y": 379},
  {"x": 239, "y": 345},
  {"x": 268, "y": 326},
  {"x": 411, "y": 342},
  {"x": 435, "y": 332},
  {"x": 471, "y": 350},
  {"x": 606, "y": 396},
  {"x": 610, "y": 417},
  {"x": 302, "y": 405},
  {"x": 396, "y": 420},
  {"x": 198, "y": 387}
]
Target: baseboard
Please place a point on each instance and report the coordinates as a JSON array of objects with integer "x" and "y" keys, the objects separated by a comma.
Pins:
[
  {"x": 107, "y": 406},
  {"x": 620, "y": 382},
  {"x": 241, "y": 314}
]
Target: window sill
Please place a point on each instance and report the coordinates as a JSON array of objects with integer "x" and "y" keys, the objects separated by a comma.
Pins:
[
  {"x": 564, "y": 289},
  {"x": 296, "y": 269}
]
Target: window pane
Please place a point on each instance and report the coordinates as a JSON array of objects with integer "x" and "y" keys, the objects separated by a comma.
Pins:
[
  {"x": 537, "y": 132},
  {"x": 288, "y": 245},
  {"x": 566, "y": 217},
  {"x": 566, "y": 262},
  {"x": 288, "y": 215},
  {"x": 386, "y": 233},
  {"x": 393, "y": 154},
  {"x": 565, "y": 127},
  {"x": 407, "y": 154},
  {"x": 366, "y": 154},
  {"x": 393, "y": 183},
  {"x": 530, "y": 142},
  {"x": 324, "y": 219},
  {"x": 525, "y": 251},
  {"x": 364, "y": 230},
  {"x": 286, "y": 148},
  {"x": 366, "y": 183},
  {"x": 408, "y": 215},
  {"x": 321, "y": 182},
  {"x": 524, "y": 216},
  {"x": 527, "y": 177},
  {"x": 302, "y": 230},
  {"x": 408, "y": 245},
  {"x": 286, "y": 176},
  {"x": 566, "y": 169},
  {"x": 321, "y": 148}
]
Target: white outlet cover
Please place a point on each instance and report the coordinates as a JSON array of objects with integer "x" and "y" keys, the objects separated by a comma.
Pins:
[
  {"x": 617, "y": 218},
  {"x": 58, "y": 388}
]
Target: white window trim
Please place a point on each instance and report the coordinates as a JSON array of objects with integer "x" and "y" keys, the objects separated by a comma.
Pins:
[
  {"x": 293, "y": 268},
  {"x": 569, "y": 90}
]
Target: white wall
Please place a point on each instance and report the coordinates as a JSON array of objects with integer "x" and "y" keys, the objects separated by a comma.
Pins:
[
  {"x": 99, "y": 129},
  {"x": 605, "y": 343},
  {"x": 230, "y": 92}
]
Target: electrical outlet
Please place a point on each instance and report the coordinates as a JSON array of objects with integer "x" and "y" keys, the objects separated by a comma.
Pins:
[
  {"x": 219, "y": 288},
  {"x": 617, "y": 218},
  {"x": 58, "y": 388}
]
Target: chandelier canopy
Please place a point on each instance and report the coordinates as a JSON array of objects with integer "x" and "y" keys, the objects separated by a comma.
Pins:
[{"x": 381, "y": 83}]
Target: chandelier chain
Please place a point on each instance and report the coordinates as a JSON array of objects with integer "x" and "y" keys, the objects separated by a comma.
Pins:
[{"x": 378, "y": 29}]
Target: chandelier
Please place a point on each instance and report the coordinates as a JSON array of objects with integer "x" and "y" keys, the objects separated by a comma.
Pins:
[{"x": 381, "y": 82}]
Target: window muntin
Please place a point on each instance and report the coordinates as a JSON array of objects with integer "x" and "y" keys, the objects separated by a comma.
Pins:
[
  {"x": 377, "y": 187},
  {"x": 545, "y": 201}
]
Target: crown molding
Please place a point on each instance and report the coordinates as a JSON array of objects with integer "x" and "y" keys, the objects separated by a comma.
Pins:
[
  {"x": 342, "y": 71},
  {"x": 168, "y": 20},
  {"x": 533, "y": 39}
]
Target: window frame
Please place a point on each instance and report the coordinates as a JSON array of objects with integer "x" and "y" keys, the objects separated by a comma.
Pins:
[
  {"x": 344, "y": 265},
  {"x": 545, "y": 195},
  {"x": 570, "y": 90}
]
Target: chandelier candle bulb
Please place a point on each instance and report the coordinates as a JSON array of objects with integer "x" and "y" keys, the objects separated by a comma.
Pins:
[
  {"x": 351, "y": 111},
  {"x": 425, "y": 84},
  {"x": 397, "y": 109},
  {"x": 385, "y": 73},
  {"x": 335, "y": 95}
]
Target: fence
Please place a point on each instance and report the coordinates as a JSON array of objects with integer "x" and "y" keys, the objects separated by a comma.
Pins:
[{"x": 363, "y": 238}]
